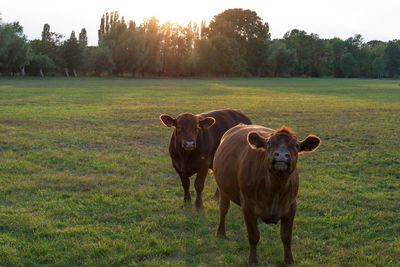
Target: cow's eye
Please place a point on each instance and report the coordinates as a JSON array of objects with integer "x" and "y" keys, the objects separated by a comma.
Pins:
[
  {"x": 297, "y": 146},
  {"x": 269, "y": 143}
]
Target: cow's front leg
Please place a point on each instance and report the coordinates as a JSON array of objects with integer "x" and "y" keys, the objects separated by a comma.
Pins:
[
  {"x": 185, "y": 184},
  {"x": 286, "y": 235},
  {"x": 199, "y": 184},
  {"x": 253, "y": 233}
]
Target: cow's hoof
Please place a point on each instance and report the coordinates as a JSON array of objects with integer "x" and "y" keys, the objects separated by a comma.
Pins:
[
  {"x": 215, "y": 197},
  {"x": 220, "y": 234},
  {"x": 253, "y": 262},
  {"x": 199, "y": 203},
  {"x": 289, "y": 264}
]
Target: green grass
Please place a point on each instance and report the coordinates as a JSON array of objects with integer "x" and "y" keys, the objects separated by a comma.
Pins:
[{"x": 86, "y": 179}]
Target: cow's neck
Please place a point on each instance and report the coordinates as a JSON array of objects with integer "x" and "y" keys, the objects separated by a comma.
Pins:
[
  {"x": 186, "y": 155},
  {"x": 276, "y": 182}
]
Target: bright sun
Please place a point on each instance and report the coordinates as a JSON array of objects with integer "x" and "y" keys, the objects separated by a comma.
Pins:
[{"x": 174, "y": 11}]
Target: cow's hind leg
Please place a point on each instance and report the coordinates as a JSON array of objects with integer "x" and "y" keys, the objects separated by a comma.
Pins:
[
  {"x": 199, "y": 184},
  {"x": 224, "y": 204},
  {"x": 216, "y": 194}
]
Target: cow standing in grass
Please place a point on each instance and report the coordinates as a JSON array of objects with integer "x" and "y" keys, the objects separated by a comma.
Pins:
[
  {"x": 193, "y": 143},
  {"x": 255, "y": 167}
]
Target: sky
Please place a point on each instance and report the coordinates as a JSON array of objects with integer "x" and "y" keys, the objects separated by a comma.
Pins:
[{"x": 373, "y": 19}]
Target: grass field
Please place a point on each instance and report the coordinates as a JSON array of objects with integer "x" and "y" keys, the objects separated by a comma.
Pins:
[{"x": 86, "y": 179}]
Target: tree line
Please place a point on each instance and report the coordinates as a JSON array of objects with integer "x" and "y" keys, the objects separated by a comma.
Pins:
[{"x": 236, "y": 43}]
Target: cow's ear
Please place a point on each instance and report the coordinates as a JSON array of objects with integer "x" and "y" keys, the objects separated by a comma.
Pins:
[
  {"x": 167, "y": 120},
  {"x": 310, "y": 144},
  {"x": 206, "y": 123},
  {"x": 255, "y": 141}
]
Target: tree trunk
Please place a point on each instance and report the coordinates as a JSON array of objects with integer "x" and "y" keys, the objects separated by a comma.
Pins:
[
  {"x": 41, "y": 73},
  {"x": 66, "y": 72}
]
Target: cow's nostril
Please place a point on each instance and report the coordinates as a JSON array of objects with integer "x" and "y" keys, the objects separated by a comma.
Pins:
[
  {"x": 191, "y": 143},
  {"x": 276, "y": 154},
  {"x": 287, "y": 155}
]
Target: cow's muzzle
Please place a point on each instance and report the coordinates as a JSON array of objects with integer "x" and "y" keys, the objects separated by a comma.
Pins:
[
  {"x": 189, "y": 145},
  {"x": 281, "y": 161}
]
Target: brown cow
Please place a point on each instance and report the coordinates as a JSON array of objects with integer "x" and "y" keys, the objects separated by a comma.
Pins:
[
  {"x": 255, "y": 167},
  {"x": 193, "y": 143}
]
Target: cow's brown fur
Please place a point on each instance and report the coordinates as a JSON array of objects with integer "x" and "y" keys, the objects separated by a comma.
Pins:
[
  {"x": 255, "y": 167},
  {"x": 203, "y": 132}
]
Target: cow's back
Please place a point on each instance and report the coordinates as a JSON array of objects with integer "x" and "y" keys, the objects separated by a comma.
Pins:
[
  {"x": 224, "y": 120},
  {"x": 234, "y": 156}
]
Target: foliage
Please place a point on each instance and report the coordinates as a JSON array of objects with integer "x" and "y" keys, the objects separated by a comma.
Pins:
[
  {"x": 83, "y": 39},
  {"x": 312, "y": 53},
  {"x": 348, "y": 64},
  {"x": 71, "y": 52},
  {"x": 13, "y": 48},
  {"x": 247, "y": 34},
  {"x": 50, "y": 45},
  {"x": 227, "y": 57},
  {"x": 126, "y": 45},
  {"x": 152, "y": 63},
  {"x": 98, "y": 62},
  {"x": 38, "y": 63},
  {"x": 204, "y": 58},
  {"x": 107, "y": 21},
  {"x": 236, "y": 43},
  {"x": 378, "y": 67},
  {"x": 281, "y": 60},
  {"x": 392, "y": 56},
  {"x": 176, "y": 48}
]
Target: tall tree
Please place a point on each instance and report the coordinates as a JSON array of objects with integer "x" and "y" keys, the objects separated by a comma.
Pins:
[
  {"x": 135, "y": 48},
  {"x": 281, "y": 60},
  {"x": 348, "y": 64},
  {"x": 13, "y": 48},
  {"x": 101, "y": 30},
  {"x": 204, "y": 57},
  {"x": 245, "y": 29},
  {"x": 72, "y": 53},
  {"x": 49, "y": 45},
  {"x": 392, "y": 58},
  {"x": 361, "y": 54},
  {"x": 83, "y": 39},
  {"x": 116, "y": 41},
  {"x": 228, "y": 58},
  {"x": 40, "y": 65},
  {"x": 152, "y": 61},
  {"x": 336, "y": 50},
  {"x": 126, "y": 46},
  {"x": 46, "y": 34},
  {"x": 106, "y": 21},
  {"x": 378, "y": 67},
  {"x": 176, "y": 48},
  {"x": 98, "y": 61},
  {"x": 312, "y": 53}
]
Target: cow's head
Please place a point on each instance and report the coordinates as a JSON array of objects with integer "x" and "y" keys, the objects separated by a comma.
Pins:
[
  {"x": 187, "y": 127},
  {"x": 282, "y": 148}
]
